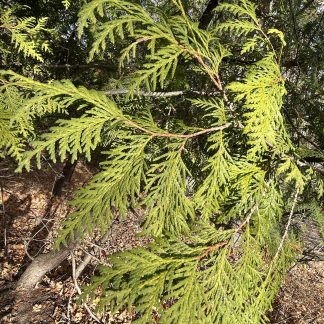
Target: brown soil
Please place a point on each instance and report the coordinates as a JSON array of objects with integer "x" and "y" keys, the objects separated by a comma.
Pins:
[{"x": 301, "y": 298}]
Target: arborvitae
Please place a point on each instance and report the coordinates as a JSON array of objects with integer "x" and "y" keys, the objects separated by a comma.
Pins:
[
  {"x": 27, "y": 37},
  {"x": 214, "y": 211}
]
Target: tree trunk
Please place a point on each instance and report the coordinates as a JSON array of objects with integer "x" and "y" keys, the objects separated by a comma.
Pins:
[
  {"x": 208, "y": 14},
  {"x": 65, "y": 178}
]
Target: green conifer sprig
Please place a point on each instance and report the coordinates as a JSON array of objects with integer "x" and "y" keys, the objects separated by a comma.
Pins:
[
  {"x": 183, "y": 38},
  {"x": 204, "y": 288},
  {"x": 219, "y": 248},
  {"x": 188, "y": 283},
  {"x": 11, "y": 144},
  {"x": 168, "y": 207},
  {"x": 27, "y": 34},
  {"x": 115, "y": 188},
  {"x": 262, "y": 91},
  {"x": 66, "y": 3},
  {"x": 79, "y": 135},
  {"x": 72, "y": 137},
  {"x": 213, "y": 191},
  {"x": 244, "y": 9},
  {"x": 9, "y": 140},
  {"x": 291, "y": 172}
]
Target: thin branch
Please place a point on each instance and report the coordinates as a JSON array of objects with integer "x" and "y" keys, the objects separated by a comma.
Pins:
[
  {"x": 197, "y": 55},
  {"x": 247, "y": 220},
  {"x": 287, "y": 227},
  {"x": 157, "y": 134},
  {"x": 212, "y": 248},
  {"x": 160, "y": 94},
  {"x": 4, "y": 214},
  {"x": 26, "y": 250},
  {"x": 221, "y": 244},
  {"x": 317, "y": 167},
  {"x": 89, "y": 256},
  {"x": 110, "y": 67},
  {"x": 78, "y": 289}
]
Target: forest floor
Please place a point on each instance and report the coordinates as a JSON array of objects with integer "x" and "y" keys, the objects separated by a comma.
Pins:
[{"x": 30, "y": 216}]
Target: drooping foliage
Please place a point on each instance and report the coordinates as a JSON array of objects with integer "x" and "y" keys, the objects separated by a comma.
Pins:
[
  {"x": 218, "y": 182},
  {"x": 27, "y": 36}
]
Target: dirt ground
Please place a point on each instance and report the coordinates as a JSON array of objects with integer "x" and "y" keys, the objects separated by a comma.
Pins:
[
  {"x": 301, "y": 297},
  {"x": 30, "y": 217}
]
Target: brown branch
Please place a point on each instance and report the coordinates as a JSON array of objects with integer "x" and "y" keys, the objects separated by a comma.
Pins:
[
  {"x": 212, "y": 248},
  {"x": 221, "y": 244},
  {"x": 211, "y": 74},
  {"x": 317, "y": 167},
  {"x": 197, "y": 55},
  {"x": 187, "y": 136},
  {"x": 40, "y": 266},
  {"x": 247, "y": 220},
  {"x": 25, "y": 288}
]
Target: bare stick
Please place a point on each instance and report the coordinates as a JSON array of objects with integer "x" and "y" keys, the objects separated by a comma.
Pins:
[
  {"x": 287, "y": 227},
  {"x": 5, "y": 223},
  {"x": 88, "y": 257},
  {"x": 160, "y": 94},
  {"x": 247, "y": 220},
  {"x": 78, "y": 289}
]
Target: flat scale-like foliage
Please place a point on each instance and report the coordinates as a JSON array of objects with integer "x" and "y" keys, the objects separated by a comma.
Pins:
[
  {"x": 27, "y": 37},
  {"x": 219, "y": 250}
]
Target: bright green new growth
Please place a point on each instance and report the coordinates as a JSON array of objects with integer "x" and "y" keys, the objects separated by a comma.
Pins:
[
  {"x": 16, "y": 114},
  {"x": 26, "y": 33},
  {"x": 66, "y": 3},
  {"x": 218, "y": 254},
  {"x": 10, "y": 101}
]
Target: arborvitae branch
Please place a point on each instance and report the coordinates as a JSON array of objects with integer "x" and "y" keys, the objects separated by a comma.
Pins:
[
  {"x": 212, "y": 210},
  {"x": 170, "y": 135}
]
